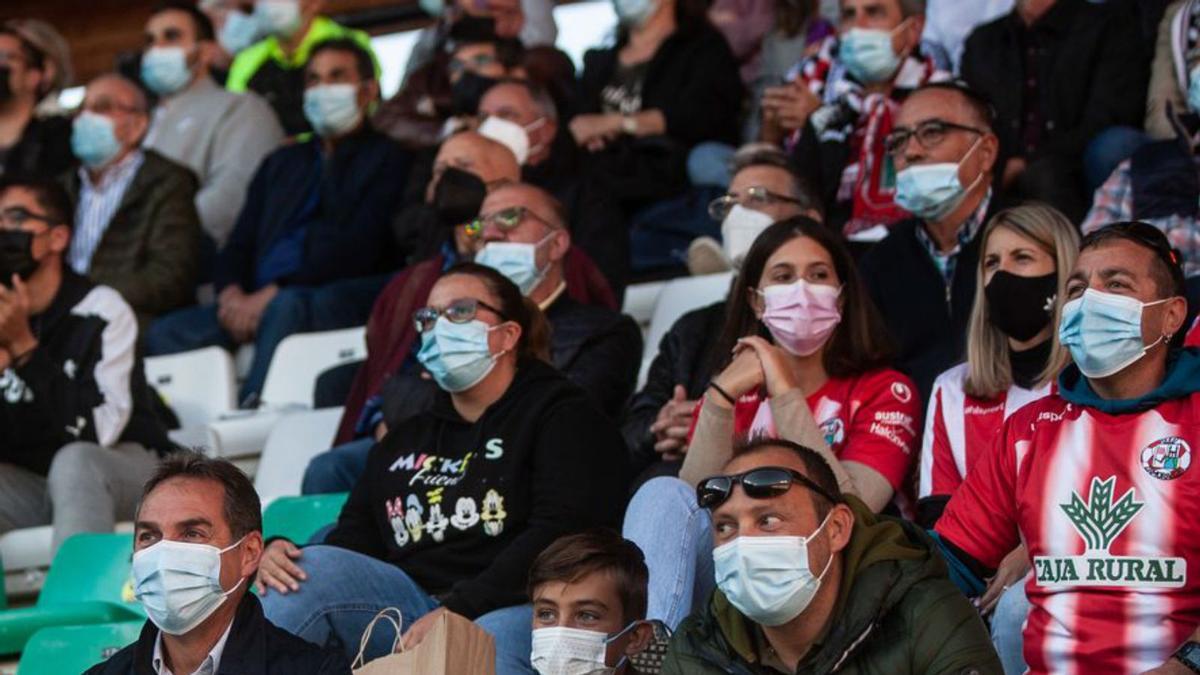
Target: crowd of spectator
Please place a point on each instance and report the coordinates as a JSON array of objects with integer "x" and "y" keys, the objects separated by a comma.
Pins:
[{"x": 941, "y": 422}]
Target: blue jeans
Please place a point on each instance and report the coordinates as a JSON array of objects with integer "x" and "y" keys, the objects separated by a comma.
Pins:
[
  {"x": 345, "y": 590},
  {"x": 1108, "y": 149},
  {"x": 337, "y": 470},
  {"x": 1008, "y": 623},
  {"x": 709, "y": 164},
  {"x": 660, "y": 233},
  {"x": 675, "y": 535},
  {"x": 294, "y": 309}
]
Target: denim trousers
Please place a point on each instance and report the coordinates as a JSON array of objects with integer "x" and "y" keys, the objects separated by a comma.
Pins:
[
  {"x": 1008, "y": 623},
  {"x": 337, "y": 470},
  {"x": 675, "y": 535},
  {"x": 345, "y": 590}
]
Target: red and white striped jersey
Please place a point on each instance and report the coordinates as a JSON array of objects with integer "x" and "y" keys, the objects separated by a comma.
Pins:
[
  {"x": 960, "y": 428},
  {"x": 1192, "y": 339},
  {"x": 1110, "y": 513}
]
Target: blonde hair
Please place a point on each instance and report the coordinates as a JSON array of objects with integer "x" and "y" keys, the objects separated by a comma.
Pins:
[{"x": 989, "y": 372}]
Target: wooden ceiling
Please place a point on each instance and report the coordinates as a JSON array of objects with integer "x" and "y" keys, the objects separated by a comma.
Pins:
[{"x": 98, "y": 30}]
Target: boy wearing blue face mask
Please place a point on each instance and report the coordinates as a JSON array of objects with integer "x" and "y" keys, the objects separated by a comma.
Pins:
[
  {"x": 197, "y": 543},
  {"x": 1096, "y": 479},
  {"x": 810, "y": 581}
]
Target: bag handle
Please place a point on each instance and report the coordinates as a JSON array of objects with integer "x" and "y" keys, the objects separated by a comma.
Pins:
[{"x": 397, "y": 622}]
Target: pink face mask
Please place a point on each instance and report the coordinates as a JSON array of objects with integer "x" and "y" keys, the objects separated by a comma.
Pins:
[{"x": 800, "y": 315}]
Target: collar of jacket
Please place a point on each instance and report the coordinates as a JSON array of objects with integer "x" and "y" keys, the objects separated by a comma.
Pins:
[
  {"x": 1182, "y": 379},
  {"x": 884, "y": 558},
  {"x": 245, "y": 650},
  {"x": 1058, "y": 20}
]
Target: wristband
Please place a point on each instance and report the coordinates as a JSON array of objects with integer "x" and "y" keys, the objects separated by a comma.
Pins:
[
  {"x": 724, "y": 394},
  {"x": 629, "y": 125}
]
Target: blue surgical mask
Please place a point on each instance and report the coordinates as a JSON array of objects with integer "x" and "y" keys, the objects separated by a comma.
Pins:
[
  {"x": 516, "y": 261},
  {"x": 179, "y": 584},
  {"x": 165, "y": 70},
  {"x": 1193, "y": 94},
  {"x": 239, "y": 32},
  {"x": 457, "y": 354},
  {"x": 868, "y": 55},
  {"x": 432, "y": 7},
  {"x": 278, "y": 17},
  {"x": 634, "y": 12},
  {"x": 1103, "y": 332},
  {"x": 767, "y": 578},
  {"x": 332, "y": 109},
  {"x": 930, "y": 191},
  {"x": 94, "y": 139}
]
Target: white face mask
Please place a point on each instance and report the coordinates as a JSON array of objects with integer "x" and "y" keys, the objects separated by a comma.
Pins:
[
  {"x": 768, "y": 578},
  {"x": 573, "y": 651},
  {"x": 511, "y": 135},
  {"x": 179, "y": 584},
  {"x": 739, "y": 230}
]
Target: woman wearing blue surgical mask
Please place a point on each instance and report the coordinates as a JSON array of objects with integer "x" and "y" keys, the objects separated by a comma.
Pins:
[{"x": 455, "y": 504}]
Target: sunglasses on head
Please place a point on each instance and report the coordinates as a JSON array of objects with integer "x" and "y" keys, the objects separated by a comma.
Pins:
[{"x": 761, "y": 483}]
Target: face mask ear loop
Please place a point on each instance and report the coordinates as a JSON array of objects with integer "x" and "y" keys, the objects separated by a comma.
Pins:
[{"x": 978, "y": 178}]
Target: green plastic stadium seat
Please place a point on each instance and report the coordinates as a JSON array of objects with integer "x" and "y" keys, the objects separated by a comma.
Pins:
[
  {"x": 88, "y": 583},
  {"x": 299, "y": 518},
  {"x": 74, "y": 649}
]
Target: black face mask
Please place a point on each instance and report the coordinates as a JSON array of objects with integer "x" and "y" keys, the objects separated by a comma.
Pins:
[
  {"x": 466, "y": 93},
  {"x": 16, "y": 255},
  {"x": 1020, "y": 306},
  {"x": 6, "y": 92},
  {"x": 458, "y": 197}
]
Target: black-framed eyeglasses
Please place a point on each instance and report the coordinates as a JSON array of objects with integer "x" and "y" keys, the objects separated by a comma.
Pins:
[
  {"x": 505, "y": 220},
  {"x": 929, "y": 134},
  {"x": 755, "y": 198},
  {"x": 761, "y": 483},
  {"x": 16, "y": 217},
  {"x": 459, "y": 311}
]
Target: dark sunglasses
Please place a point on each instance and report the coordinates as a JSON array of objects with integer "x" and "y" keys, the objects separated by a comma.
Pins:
[
  {"x": 459, "y": 311},
  {"x": 762, "y": 483}
]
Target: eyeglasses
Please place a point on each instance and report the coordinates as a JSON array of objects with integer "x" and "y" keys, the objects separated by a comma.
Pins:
[
  {"x": 756, "y": 198},
  {"x": 505, "y": 220},
  {"x": 762, "y": 483},
  {"x": 459, "y": 311},
  {"x": 16, "y": 217},
  {"x": 473, "y": 63},
  {"x": 929, "y": 134}
]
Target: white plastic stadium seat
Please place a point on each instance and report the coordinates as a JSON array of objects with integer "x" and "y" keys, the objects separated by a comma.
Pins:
[
  {"x": 678, "y": 298},
  {"x": 295, "y": 439},
  {"x": 640, "y": 300},
  {"x": 301, "y": 358},
  {"x": 198, "y": 385}
]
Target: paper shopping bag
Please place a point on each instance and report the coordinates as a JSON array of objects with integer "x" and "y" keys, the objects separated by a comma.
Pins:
[{"x": 454, "y": 646}]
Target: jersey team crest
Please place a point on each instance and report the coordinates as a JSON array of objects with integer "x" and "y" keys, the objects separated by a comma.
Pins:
[
  {"x": 1099, "y": 520},
  {"x": 1167, "y": 458}
]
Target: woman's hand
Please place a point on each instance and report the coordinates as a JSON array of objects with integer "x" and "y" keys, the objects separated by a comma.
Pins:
[
  {"x": 790, "y": 105},
  {"x": 743, "y": 374},
  {"x": 1012, "y": 570},
  {"x": 776, "y": 365},
  {"x": 277, "y": 569},
  {"x": 595, "y": 131},
  {"x": 673, "y": 424}
]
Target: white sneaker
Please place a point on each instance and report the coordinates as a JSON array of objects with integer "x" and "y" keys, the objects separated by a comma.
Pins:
[{"x": 706, "y": 256}]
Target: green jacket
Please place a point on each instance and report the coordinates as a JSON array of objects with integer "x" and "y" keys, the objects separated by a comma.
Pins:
[
  {"x": 250, "y": 59},
  {"x": 150, "y": 251},
  {"x": 896, "y": 613}
]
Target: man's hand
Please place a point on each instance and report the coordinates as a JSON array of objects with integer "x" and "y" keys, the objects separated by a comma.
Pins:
[
  {"x": 277, "y": 569},
  {"x": 229, "y": 311},
  {"x": 256, "y": 303},
  {"x": 418, "y": 631},
  {"x": 674, "y": 422},
  {"x": 15, "y": 334},
  {"x": 790, "y": 105},
  {"x": 595, "y": 131},
  {"x": 1012, "y": 570},
  {"x": 1013, "y": 169}
]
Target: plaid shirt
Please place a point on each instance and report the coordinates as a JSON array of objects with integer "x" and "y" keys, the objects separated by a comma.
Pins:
[
  {"x": 1113, "y": 202},
  {"x": 947, "y": 262}
]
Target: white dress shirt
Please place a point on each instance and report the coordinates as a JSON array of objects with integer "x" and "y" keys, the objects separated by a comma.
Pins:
[
  {"x": 207, "y": 667},
  {"x": 98, "y": 203}
]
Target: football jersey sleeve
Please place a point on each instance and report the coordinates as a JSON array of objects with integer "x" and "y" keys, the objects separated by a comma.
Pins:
[
  {"x": 939, "y": 472},
  {"x": 882, "y": 433},
  {"x": 981, "y": 517}
]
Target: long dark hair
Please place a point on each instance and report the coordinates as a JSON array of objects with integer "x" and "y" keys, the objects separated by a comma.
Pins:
[
  {"x": 535, "y": 329},
  {"x": 858, "y": 344}
]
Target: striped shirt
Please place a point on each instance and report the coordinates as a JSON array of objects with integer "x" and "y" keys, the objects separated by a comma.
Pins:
[{"x": 98, "y": 203}]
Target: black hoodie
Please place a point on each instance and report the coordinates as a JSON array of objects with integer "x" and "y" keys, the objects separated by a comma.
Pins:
[{"x": 464, "y": 508}]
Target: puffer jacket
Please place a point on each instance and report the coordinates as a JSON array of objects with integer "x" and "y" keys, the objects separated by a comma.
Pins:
[{"x": 896, "y": 613}]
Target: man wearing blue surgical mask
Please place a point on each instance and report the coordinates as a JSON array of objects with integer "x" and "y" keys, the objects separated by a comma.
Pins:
[
  {"x": 810, "y": 581},
  {"x": 921, "y": 276},
  {"x": 312, "y": 245},
  {"x": 197, "y": 545},
  {"x": 1114, "y": 443},
  {"x": 221, "y": 136}
]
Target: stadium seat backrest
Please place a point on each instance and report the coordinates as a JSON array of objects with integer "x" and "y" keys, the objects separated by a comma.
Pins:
[
  {"x": 198, "y": 385},
  {"x": 90, "y": 567},
  {"x": 295, "y": 439},
  {"x": 74, "y": 649},
  {"x": 640, "y": 300},
  {"x": 298, "y": 518},
  {"x": 301, "y": 358},
  {"x": 679, "y": 297}
]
